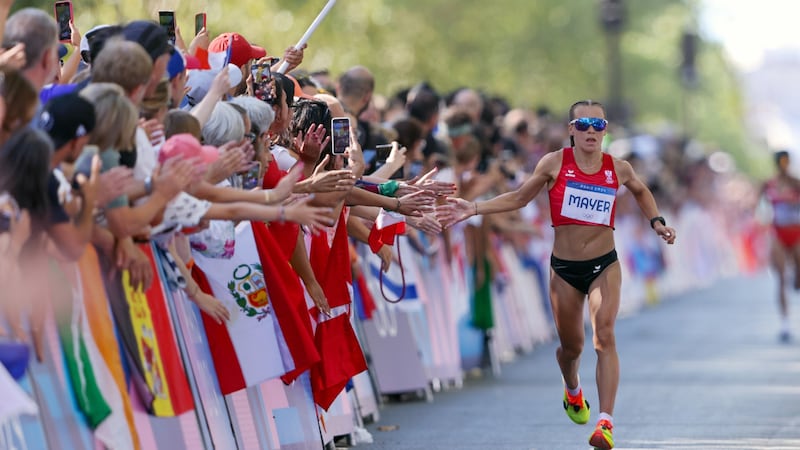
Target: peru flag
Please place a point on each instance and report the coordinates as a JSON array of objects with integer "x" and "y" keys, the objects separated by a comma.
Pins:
[
  {"x": 288, "y": 298},
  {"x": 246, "y": 349}
]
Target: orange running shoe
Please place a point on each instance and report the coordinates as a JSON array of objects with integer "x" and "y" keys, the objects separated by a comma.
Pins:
[
  {"x": 577, "y": 407},
  {"x": 601, "y": 438}
]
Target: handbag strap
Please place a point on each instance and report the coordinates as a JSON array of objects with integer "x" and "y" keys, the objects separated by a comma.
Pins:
[{"x": 402, "y": 278}]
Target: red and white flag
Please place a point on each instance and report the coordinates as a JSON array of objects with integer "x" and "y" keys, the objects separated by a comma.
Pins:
[
  {"x": 387, "y": 226},
  {"x": 336, "y": 342},
  {"x": 246, "y": 348}
]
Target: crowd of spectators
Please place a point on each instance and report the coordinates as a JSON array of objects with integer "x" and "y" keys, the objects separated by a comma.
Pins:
[{"x": 128, "y": 138}]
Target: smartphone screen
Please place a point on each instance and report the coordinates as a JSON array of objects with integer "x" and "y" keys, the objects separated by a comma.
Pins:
[
  {"x": 262, "y": 82},
  {"x": 63, "y": 11},
  {"x": 383, "y": 152},
  {"x": 167, "y": 20},
  {"x": 199, "y": 22},
  {"x": 341, "y": 135},
  {"x": 252, "y": 178}
]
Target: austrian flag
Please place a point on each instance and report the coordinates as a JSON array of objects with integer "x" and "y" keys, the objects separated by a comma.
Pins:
[{"x": 387, "y": 226}]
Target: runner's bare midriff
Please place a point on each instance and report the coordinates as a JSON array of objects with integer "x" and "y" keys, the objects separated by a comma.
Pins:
[{"x": 582, "y": 242}]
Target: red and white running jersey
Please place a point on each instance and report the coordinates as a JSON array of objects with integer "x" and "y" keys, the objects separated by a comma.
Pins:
[
  {"x": 584, "y": 199},
  {"x": 785, "y": 201}
]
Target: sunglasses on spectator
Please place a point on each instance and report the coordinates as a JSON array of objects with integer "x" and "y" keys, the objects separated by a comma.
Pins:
[
  {"x": 252, "y": 137},
  {"x": 583, "y": 123}
]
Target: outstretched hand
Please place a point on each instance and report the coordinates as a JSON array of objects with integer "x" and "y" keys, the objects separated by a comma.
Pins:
[
  {"x": 331, "y": 180},
  {"x": 300, "y": 211},
  {"x": 456, "y": 210},
  {"x": 311, "y": 144},
  {"x": 284, "y": 187},
  {"x": 416, "y": 203},
  {"x": 439, "y": 188}
]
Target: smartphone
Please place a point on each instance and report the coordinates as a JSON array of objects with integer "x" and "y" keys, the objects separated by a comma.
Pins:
[
  {"x": 167, "y": 21},
  {"x": 252, "y": 178},
  {"x": 382, "y": 153},
  {"x": 261, "y": 72},
  {"x": 63, "y": 13},
  {"x": 341, "y": 135},
  {"x": 199, "y": 22},
  {"x": 262, "y": 82}
]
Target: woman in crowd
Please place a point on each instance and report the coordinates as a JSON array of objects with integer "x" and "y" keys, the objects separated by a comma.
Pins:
[{"x": 582, "y": 184}]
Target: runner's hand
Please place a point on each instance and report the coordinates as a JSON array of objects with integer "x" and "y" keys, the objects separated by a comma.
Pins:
[
  {"x": 666, "y": 233},
  {"x": 456, "y": 210}
]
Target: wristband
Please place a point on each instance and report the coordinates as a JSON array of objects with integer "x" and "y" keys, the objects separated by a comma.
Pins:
[
  {"x": 267, "y": 196},
  {"x": 476, "y": 207},
  {"x": 369, "y": 187},
  {"x": 282, "y": 217},
  {"x": 397, "y": 208},
  {"x": 657, "y": 219},
  {"x": 389, "y": 188},
  {"x": 148, "y": 185}
]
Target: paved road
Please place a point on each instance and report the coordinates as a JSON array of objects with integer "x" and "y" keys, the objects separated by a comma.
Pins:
[{"x": 703, "y": 371}]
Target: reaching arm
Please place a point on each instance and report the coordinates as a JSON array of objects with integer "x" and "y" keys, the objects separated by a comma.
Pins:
[
  {"x": 414, "y": 204},
  {"x": 202, "y": 112},
  {"x": 220, "y": 194},
  {"x": 126, "y": 221},
  {"x": 546, "y": 171},
  {"x": 302, "y": 266},
  {"x": 300, "y": 212},
  {"x": 460, "y": 209},
  {"x": 365, "y": 212}
]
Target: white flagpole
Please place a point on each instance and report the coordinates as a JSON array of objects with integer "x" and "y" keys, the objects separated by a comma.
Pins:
[{"x": 307, "y": 35}]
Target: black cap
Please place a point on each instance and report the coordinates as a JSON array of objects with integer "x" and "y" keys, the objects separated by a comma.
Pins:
[
  {"x": 149, "y": 35},
  {"x": 67, "y": 117}
]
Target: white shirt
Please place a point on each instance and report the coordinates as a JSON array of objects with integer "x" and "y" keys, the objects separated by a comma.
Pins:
[
  {"x": 146, "y": 155},
  {"x": 283, "y": 158}
]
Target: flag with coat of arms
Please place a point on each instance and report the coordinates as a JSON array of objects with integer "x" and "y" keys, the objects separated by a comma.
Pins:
[{"x": 247, "y": 348}]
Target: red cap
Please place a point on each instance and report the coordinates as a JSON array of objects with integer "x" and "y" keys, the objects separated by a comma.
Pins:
[
  {"x": 241, "y": 50},
  {"x": 186, "y": 146},
  {"x": 193, "y": 62}
]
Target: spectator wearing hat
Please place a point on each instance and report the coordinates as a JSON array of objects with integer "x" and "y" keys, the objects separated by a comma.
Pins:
[
  {"x": 176, "y": 72},
  {"x": 92, "y": 42},
  {"x": 69, "y": 120},
  {"x": 234, "y": 48},
  {"x": 39, "y": 32},
  {"x": 242, "y": 54},
  {"x": 241, "y": 51},
  {"x": 154, "y": 40}
]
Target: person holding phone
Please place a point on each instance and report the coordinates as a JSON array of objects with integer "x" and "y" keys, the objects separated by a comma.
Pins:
[{"x": 582, "y": 184}]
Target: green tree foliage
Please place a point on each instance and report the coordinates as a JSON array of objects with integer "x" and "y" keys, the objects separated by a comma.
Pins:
[{"x": 532, "y": 52}]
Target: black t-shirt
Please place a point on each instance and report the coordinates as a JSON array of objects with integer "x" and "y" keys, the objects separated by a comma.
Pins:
[{"x": 57, "y": 213}]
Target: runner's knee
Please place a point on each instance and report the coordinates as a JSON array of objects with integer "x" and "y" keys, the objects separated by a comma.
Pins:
[
  {"x": 570, "y": 351},
  {"x": 604, "y": 338}
]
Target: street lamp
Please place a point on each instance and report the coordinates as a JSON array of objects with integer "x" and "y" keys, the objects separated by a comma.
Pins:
[{"x": 613, "y": 16}]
